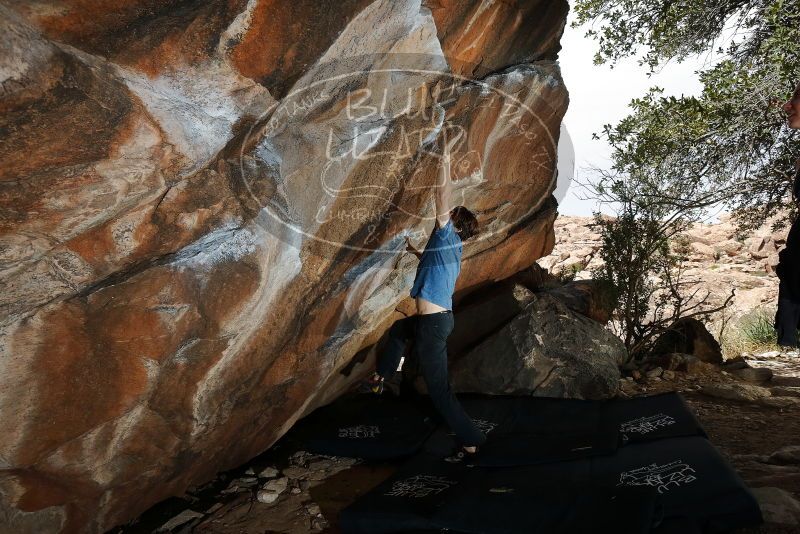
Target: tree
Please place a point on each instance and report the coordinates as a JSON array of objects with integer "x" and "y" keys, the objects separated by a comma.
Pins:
[
  {"x": 643, "y": 257},
  {"x": 675, "y": 157},
  {"x": 728, "y": 146}
]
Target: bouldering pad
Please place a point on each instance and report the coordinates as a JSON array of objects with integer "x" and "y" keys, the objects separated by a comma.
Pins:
[
  {"x": 694, "y": 481},
  {"x": 368, "y": 426},
  {"x": 428, "y": 494},
  {"x": 654, "y": 417}
]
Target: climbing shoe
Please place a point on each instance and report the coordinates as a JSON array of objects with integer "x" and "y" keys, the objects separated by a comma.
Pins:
[
  {"x": 461, "y": 455},
  {"x": 373, "y": 384}
]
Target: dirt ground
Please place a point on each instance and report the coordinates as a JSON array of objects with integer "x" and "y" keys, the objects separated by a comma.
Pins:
[{"x": 744, "y": 432}]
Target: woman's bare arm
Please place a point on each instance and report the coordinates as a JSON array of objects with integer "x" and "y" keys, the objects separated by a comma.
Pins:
[{"x": 444, "y": 187}]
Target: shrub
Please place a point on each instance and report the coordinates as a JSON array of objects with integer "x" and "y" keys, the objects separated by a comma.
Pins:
[
  {"x": 568, "y": 274},
  {"x": 753, "y": 332}
]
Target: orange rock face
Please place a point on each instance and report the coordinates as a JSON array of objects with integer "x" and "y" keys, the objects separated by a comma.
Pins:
[{"x": 202, "y": 212}]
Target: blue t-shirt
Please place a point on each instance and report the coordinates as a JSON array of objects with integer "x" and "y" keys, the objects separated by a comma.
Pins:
[{"x": 439, "y": 266}]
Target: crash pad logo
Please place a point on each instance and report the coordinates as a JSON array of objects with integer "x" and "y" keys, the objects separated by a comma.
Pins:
[
  {"x": 359, "y": 432},
  {"x": 349, "y": 158},
  {"x": 419, "y": 486},
  {"x": 645, "y": 425},
  {"x": 662, "y": 477},
  {"x": 484, "y": 425}
]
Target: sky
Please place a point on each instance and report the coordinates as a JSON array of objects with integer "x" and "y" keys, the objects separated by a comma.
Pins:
[{"x": 600, "y": 95}]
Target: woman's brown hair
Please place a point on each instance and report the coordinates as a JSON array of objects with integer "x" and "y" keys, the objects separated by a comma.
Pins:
[{"x": 465, "y": 221}]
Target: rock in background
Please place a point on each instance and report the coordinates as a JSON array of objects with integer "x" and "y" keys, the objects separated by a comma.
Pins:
[
  {"x": 688, "y": 336},
  {"x": 162, "y": 318},
  {"x": 547, "y": 350},
  {"x": 718, "y": 262}
]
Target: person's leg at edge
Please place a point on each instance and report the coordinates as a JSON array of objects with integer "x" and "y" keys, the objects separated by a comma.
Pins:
[
  {"x": 401, "y": 331},
  {"x": 431, "y": 335},
  {"x": 787, "y": 318}
]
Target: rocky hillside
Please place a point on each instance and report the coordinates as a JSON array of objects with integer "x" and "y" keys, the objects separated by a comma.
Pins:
[
  {"x": 202, "y": 212},
  {"x": 717, "y": 264}
]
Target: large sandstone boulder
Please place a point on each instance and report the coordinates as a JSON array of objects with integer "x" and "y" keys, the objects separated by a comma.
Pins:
[
  {"x": 202, "y": 209},
  {"x": 547, "y": 350}
]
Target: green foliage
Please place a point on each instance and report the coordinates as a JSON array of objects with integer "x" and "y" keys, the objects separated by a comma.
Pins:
[
  {"x": 676, "y": 29},
  {"x": 758, "y": 328},
  {"x": 643, "y": 252},
  {"x": 728, "y": 146},
  {"x": 753, "y": 332},
  {"x": 638, "y": 264},
  {"x": 630, "y": 252},
  {"x": 568, "y": 274}
]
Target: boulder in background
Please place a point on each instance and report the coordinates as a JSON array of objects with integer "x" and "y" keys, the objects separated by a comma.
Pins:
[
  {"x": 547, "y": 350},
  {"x": 689, "y": 336}
]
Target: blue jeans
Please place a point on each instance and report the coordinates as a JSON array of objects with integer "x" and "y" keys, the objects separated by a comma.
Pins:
[{"x": 429, "y": 332}]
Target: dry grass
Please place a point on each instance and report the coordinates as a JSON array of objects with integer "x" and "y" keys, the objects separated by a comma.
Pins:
[{"x": 754, "y": 332}]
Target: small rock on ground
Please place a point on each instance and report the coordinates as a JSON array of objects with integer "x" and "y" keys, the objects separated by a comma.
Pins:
[
  {"x": 654, "y": 373},
  {"x": 785, "y": 391},
  {"x": 267, "y": 497},
  {"x": 786, "y": 455},
  {"x": 277, "y": 485},
  {"x": 753, "y": 374},
  {"x": 178, "y": 520},
  {"x": 269, "y": 472},
  {"x": 320, "y": 465},
  {"x": 780, "y": 402},
  {"x": 778, "y": 506},
  {"x": 740, "y": 392},
  {"x": 296, "y": 473},
  {"x": 214, "y": 508}
]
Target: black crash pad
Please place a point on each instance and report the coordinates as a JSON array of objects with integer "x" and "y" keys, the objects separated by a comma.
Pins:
[
  {"x": 488, "y": 412},
  {"x": 686, "y": 487},
  {"x": 368, "y": 426},
  {"x": 532, "y": 430},
  {"x": 407, "y": 501},
  {"x": 546, "y": 430},
  {"x": 655, "y": 417},
  {"x": 694, "y": 482},
  {"x": 545, "y": 498},
  {"x": 655, "y": 483},
  {"x": 677, "y": 525},
  {"x": 428, "y": 494},
  {"x": 521, "y": 430}
]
